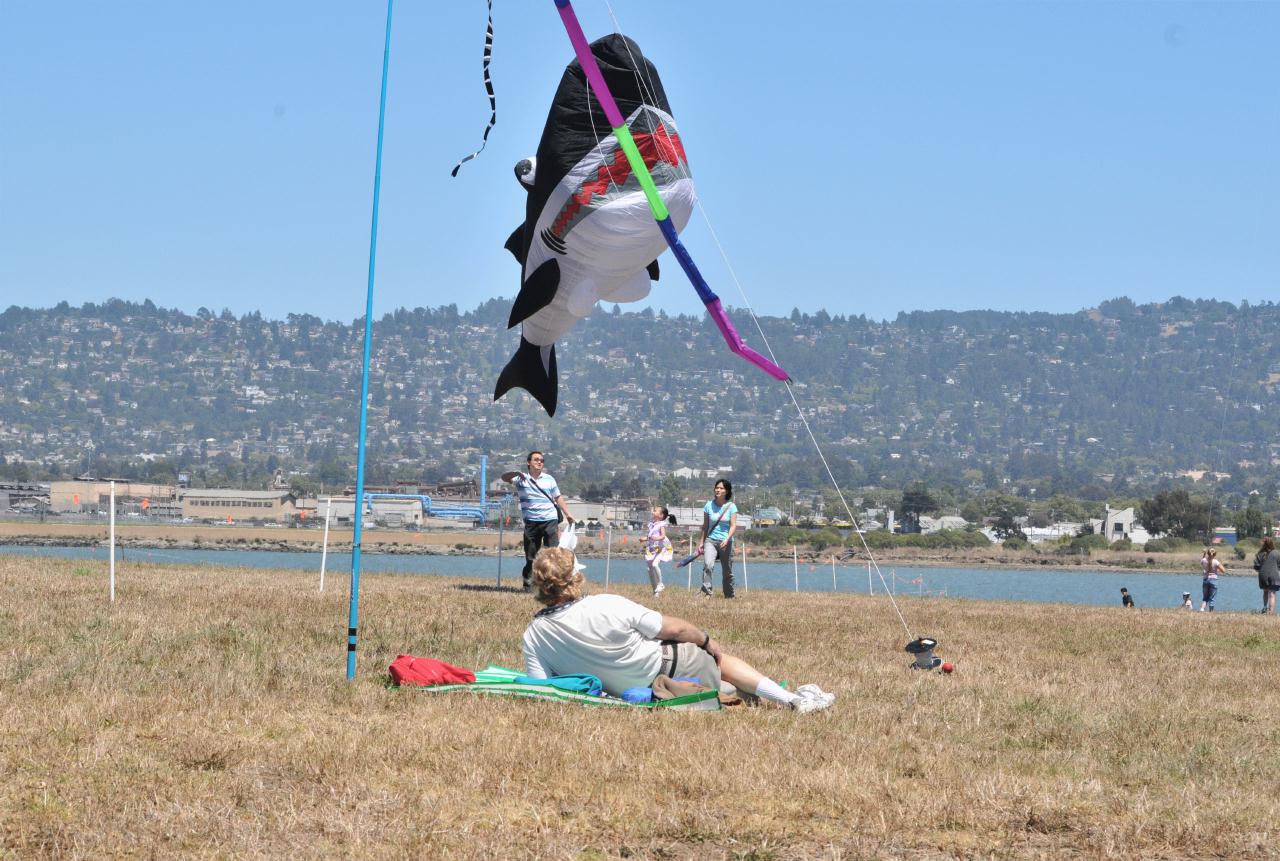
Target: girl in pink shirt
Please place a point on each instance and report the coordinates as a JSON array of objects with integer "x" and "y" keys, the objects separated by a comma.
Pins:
[{"x": 657, "y": 547}]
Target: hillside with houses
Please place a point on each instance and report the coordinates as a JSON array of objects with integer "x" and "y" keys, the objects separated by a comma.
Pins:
[{"x": 1098, "y": 405}]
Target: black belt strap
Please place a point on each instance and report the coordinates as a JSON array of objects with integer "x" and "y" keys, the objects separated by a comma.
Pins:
[{"x": 671, "y": 647}]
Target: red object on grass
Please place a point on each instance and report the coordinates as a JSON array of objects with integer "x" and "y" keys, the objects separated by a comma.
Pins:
[{"x": 408, "y": 670}]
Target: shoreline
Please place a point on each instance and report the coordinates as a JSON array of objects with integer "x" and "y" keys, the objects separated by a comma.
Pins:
[{"x": 485, "y": 543}]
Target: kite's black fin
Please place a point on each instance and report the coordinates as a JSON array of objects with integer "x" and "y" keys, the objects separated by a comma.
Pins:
[
  {"x": 526, "y": 371},
  {"x": 515, "y": 244},
  {"x": 652, "y": 269},
  {"x": 536, "y": 293}
]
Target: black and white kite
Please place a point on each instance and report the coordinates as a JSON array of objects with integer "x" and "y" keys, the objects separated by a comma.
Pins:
[{"x": 589, "y": 233}]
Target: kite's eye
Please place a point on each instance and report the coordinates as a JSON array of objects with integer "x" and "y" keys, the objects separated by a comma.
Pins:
[{"x": 525, "y": 171}]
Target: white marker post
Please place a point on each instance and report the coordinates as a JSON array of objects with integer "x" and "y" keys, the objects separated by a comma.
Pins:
[
  {"x": 795, "y": 561},
  {"x": 111, "y": 543},
  {"x": 608, "y": 554},
  {"x": 745, "y": 586},
  {"x": 324, "y": 550},
  {"x": 833, "y": 572},
  {"x": 871, "y": 590},
  {"x": 688, "y": 574},
  {"x": 502, "y": 520}
]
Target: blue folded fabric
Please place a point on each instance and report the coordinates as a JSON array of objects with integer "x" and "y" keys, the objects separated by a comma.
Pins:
[{"x": 578, "y": 683}]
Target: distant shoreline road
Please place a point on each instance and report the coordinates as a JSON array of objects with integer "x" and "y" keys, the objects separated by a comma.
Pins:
[
  {"x": 214, "y": 537},
  {"x": 485, "y": 542}
]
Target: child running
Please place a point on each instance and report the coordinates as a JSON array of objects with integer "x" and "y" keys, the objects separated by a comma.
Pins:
[{"x": 657, "y": 547}]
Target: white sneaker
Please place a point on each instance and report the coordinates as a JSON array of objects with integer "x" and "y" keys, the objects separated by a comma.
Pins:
[
  {"x": 658, "y": 590},
  {"x": 812, "y": 698}
]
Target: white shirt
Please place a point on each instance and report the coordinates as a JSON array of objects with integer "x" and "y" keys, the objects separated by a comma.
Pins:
[{"x": 606, "y": 636}]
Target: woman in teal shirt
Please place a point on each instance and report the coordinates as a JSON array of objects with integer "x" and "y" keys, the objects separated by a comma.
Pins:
[{"x": 719, "y": 523}]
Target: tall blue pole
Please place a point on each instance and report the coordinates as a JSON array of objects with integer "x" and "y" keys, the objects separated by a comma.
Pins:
[{"x": 353, "y": 617}]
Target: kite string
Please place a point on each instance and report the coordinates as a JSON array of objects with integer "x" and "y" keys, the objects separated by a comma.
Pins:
[
  {"x": 650, "y": 94},
  {"x": 803, "y": 420},
  {"x": 1222, "y": 426},
  {"x": 613, "y": 185},
  {"x": 650, "y": 91}
]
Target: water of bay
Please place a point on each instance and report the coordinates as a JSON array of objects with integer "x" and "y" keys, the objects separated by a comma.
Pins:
[{"x": 1153, "y": 590}]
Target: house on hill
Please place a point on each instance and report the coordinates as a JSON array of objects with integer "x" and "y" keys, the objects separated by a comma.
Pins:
[
  {"x": 770, "y": 516},
  {"x": 1120, "y": 524},
  {"x": 685, "y": 473},
  {"x": 937, "y": 524}
]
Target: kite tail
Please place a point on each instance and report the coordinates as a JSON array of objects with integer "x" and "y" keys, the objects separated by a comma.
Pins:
[
  {"x": 488, "y": 86},
  {"x": 531, "y": 371}
]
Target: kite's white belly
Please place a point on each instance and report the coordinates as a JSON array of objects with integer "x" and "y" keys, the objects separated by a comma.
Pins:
[{"x": 607, "y": 252}]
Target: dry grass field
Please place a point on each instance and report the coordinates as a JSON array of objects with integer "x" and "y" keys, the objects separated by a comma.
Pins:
[{"x": 206, "y": 715}]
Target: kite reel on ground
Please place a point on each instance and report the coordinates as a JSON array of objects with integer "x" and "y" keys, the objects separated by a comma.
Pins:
[{"x": 922, "y": 648}]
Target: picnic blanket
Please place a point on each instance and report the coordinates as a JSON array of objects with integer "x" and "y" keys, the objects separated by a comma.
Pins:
[{"x": 500, "y": 681}]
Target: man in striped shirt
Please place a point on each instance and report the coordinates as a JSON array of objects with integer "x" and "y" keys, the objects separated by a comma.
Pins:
[{"x": 540, "y": 506}]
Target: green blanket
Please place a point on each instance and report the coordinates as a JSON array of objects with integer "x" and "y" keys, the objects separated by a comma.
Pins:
[{"x": 499, "y": 681}]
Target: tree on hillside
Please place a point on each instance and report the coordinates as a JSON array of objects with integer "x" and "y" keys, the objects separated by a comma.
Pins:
[
  {"x": 1177, "y": 513},
  {"x": 333, "y": 475},
  {"x": 669, "y": 491},
  {"x": 627, "y": 487},
  {"x": 1252, "y": 523},
  {"x": 973, "y": 511},
  {"x": 15, "y": 471},
  {"x": 1060, "y": 507},
  {"x": 916, "y": 500},
  {"x": 1006, "y": 510},
  {"x": 832, "y": 508}
]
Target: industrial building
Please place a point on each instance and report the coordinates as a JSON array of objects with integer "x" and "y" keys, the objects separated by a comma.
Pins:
[
  {"x": 91, "y": 496},
  {"x": 238, "y": 505}
]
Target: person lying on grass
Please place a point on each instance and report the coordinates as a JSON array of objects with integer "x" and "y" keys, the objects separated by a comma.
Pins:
[{"x": 627, "y": 645}]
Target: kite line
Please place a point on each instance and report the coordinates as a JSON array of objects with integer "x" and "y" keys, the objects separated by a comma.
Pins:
[{"x": 588, "y": 62}]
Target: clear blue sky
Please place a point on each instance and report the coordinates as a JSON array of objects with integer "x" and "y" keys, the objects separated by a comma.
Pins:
[{"x": 863, "y": 158}]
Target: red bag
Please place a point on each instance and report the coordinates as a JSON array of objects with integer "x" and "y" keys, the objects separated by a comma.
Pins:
[{"x": 406, "y": 669}]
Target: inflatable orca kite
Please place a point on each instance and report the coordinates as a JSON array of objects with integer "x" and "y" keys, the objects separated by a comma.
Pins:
[{"x": 588, "y": 234}]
